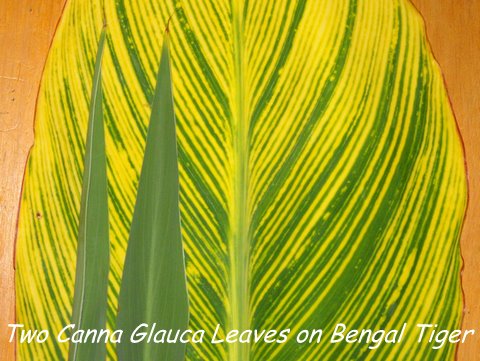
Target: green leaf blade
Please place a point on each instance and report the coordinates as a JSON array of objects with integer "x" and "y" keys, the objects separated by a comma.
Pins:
[
  {"x": 153, "y": 288},
  {"x": 91, "y": 281}
]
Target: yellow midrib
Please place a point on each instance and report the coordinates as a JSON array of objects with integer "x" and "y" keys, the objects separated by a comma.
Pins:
[{"x": 239, "y": 243}]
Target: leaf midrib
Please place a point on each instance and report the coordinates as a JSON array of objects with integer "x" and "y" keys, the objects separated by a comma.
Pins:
[{"x": 239, "y": 240}]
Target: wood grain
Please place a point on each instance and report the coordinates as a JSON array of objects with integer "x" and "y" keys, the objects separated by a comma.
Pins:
[
  {"x": 26, "y": 31},
  {"x": 453, "y": 27}
]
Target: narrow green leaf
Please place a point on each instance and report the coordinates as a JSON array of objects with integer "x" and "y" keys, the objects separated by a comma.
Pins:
[
  {"x": 153, "y": 288},
  {"x": 91, "y": 281}
]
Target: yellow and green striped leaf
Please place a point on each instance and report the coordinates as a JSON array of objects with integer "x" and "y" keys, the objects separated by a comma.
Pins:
[{"x": 321, "y": 172}]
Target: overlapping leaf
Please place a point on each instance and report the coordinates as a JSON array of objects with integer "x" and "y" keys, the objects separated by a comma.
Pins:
[
  {"x": 153, "y": 289},
  {"x": 92, "y": 263},
  {"x": 321, "y": 172}
]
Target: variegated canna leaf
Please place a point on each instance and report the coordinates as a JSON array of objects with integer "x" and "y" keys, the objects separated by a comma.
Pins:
[{"x": 321, "y": 172}]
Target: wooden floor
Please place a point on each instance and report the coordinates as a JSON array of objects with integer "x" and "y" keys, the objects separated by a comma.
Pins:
[
  {"x": 26, "y": 30},
  {"x": 453, "y": 27}
]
